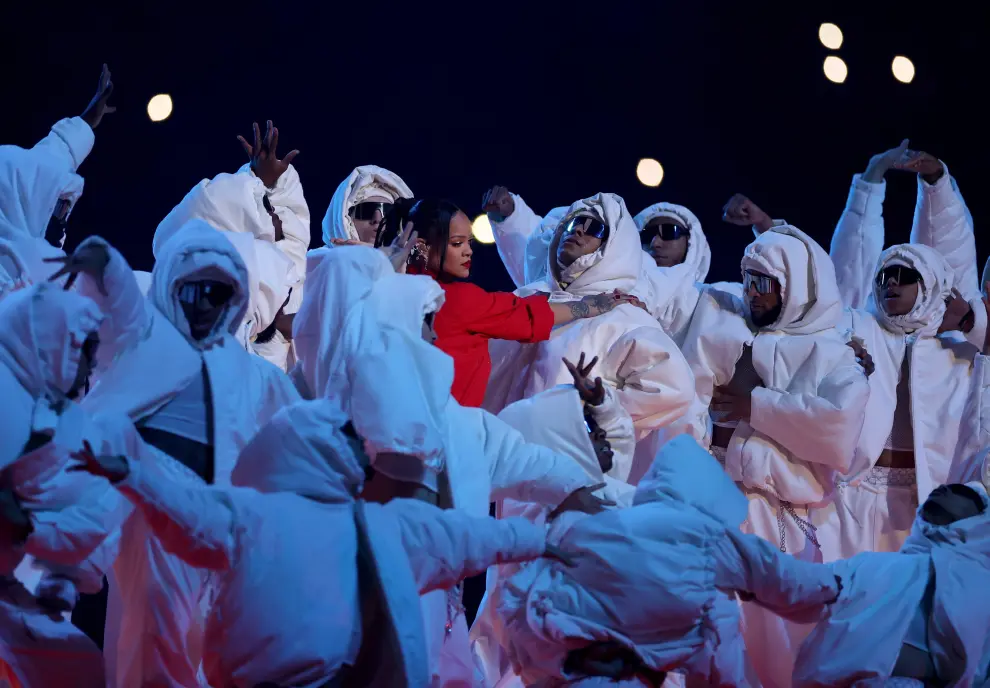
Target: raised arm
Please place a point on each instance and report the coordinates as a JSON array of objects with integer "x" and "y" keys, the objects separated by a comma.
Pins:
[
  {"x": 445, "y": 547},
  {"x": 513, "y": 223},
  {"x": 858, "y": 238}
]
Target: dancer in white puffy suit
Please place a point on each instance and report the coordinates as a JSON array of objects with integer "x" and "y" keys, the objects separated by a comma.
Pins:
[
  {"x": 208, "y": 397},
  {"x": 264, "y": 212},
  {"x": 48, "y": 552},
  {"x": 360, "y": 203},
  {"x": 272, "y": 619},
  {"x": 595, "y": 249},
  {"x": 675, "y": 610},
  {"x": 917, "y": 617},
  {"x": 39, "y": 187},
  {"x": 583, "y": 421},
  {"x": 363, "y": 306},
  {"x": 923, "y": 419}
]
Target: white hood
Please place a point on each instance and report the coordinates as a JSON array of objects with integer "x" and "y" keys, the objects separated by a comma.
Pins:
[
  {"x": 359, "y": 343},
  {"x": 616, "y": 265},
  {"x": 811, "y": 301},
  {"x": 936, "y": 286},
  {"x": 32, "y": 181},
  {"x": 302, "y": 450},
  {"x": 199, "y": 252},
  {"x": 548, "y": 419},
  {"x": 699, "y": 254},
  {"x": 364, "y": 182},
  {"x": 41, "y": 340},
  {"x": 684, "y": 472}
]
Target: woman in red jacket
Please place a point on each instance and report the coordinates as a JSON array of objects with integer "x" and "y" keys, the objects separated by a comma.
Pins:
[{"x": 470, "y": 316}]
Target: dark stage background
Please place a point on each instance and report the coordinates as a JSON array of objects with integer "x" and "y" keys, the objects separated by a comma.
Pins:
[{"x": 555, "y": 100}]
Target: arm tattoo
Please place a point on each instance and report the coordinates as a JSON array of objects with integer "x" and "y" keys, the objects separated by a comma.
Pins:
[
  {"x": 603, "y": 303},
  {"x": 579, "y": 309}
]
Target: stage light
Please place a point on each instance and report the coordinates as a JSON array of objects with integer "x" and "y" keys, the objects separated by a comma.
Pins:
[
  {"x": 903, "y": 69},
  {"x": 649, "y": 172},
  {"x": 830, "y": 35},
  {"x": 160, "y": 107},
  {"x": 482, "y": 230},
  {"x": 835, "y": 69}
]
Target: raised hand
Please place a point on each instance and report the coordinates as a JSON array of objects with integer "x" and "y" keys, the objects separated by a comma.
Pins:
[
  {"x": 398, "y": 251},
  {"x": 882, "y": 162},
  {"x": 591, "y": 392},
  {"x": 93, "y": 114},
  {"x": 91, "y": 258},
  {"x": 583, "y": 500},
  {"x": 742, "y": 211},
  {"x": 498, "y": 200},
  {"x": 924, "y": 164},
  {"x": 598, "y": 304},
  {"x": 263, "y": 155},
  {"x": 113, "y": 468}
]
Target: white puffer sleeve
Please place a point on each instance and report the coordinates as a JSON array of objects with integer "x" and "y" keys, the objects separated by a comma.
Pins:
[
  {"x": 858, "y": 241},
  {"x": 618, "y": 426},
  {"x": 822, "y": 427},
  {"x": 653, "y": 381},
  {"x": 194, "y": 523},
  {"x": 445, "y": 547},
  {"x": 512, "y": 237},
  {"x": 943, "y": 222},
  {"x": 71, "y": 139},
  {"x": 524, "y": 471}
]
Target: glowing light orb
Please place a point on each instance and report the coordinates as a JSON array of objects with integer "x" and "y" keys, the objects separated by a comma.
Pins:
[
  {"x": 160, "y": 107},
  {"x": 903, "y": 69},
  {"x": 649, "y": 172},
  {"x": 835, "y": 69},
  {"x": 482, "y": 230},
  {"x": 830, "y": 35}
]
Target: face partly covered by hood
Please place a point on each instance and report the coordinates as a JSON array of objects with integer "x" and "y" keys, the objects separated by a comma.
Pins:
[
  {"x": 616, "y": 264},
  {"x": 364, "y": 183},
  {"x": 932, "y": 291},
  {"x": 808, "y": 291},
  {"x": 699, "y": 254},
  {"x": 201, "y": 259}
]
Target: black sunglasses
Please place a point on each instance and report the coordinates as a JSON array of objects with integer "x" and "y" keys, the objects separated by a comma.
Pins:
[
  {"x": 589, "y": 225},
  {"x": 764, "y": 284},
  {"x": 216, "y": 293},
  {"x": 367, "y": 210},
  {"x": 665, "y": 230},
  {"x": 901, "y": 274}
]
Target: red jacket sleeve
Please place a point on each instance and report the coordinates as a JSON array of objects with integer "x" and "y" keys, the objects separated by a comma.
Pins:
[{"x": 501, "y": 315}]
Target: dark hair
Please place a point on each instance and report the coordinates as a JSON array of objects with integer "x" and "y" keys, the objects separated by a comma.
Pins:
[{"x": 430, "y": 217}]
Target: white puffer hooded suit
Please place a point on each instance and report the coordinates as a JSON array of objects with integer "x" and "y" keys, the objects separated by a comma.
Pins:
[
  {"x": 40, "y": 346},
  {"x": 366, "y": 181},
  {"x": 298, "y": 473},
  {"x": 677, "y": 610},
  {"x": 32, "y": 182},
  {"x": 367, "y": 307},
  {"x": 948, "y": 376},
  {"x": 636, "y": 358},
  {"x": 154, "y": 619},
  {"x": 554, "y": 419},
  {"x": 858, "y": 640},
  {"x": 674, "y": 291},
  {"x": 234, "y": 203}
]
